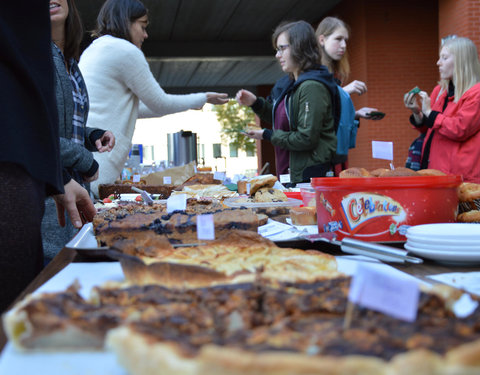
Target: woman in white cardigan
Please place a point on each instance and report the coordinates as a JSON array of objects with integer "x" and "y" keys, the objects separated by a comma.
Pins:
[{"x": 121, "y": 86}]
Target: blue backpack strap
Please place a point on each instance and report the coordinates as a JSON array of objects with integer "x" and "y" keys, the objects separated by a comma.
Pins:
[{"x": 347, "y": 126}]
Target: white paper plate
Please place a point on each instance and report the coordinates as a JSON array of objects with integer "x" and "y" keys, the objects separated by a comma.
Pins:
[
  {"x": 471, "y": 246},
  {"x": 442, "y": 241},
  {"x": 452, "y": 231},
  {"x": 450, "y": 257}
]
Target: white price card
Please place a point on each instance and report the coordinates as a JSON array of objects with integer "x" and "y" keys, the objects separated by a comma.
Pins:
[
  {"x": 392, "y": 294},
  {"x": 177, "y": 202},
  {"x": 167, "y": 180},
  {"x": 248, "y": 186},
  {"x": 136, "y": 178},
  {"x": 382, "y": 150},
  {"x": 219, "y": 176},
  {"x": 205, "y": 227},
  {"x": 285, "y": 178}
]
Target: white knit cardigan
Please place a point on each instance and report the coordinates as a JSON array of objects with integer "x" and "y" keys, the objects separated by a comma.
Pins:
[{"x": 121, "y": 89}]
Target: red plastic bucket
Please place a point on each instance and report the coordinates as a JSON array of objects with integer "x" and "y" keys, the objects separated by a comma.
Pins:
[{"x": 382, "y": 208}]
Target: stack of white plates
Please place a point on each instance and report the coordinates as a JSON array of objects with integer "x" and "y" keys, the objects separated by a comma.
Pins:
[{"x": 454, "y": 243}]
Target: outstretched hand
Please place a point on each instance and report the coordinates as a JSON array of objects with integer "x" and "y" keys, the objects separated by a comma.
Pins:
[
  {"x": 419, "y": 104},
  {"x": 245, "y": 97},
  {"x": 410, "y": 101},
  {"x": 255, "y": 134},
  {"x": 356, "y": 87},
  {"x": 426, "y": 103},
  {"x": 106, "y": 142},
  {"x": 216, "y": 98},
  {"x": 77, "y": 203},
  {"x": 365, "y": 113}
]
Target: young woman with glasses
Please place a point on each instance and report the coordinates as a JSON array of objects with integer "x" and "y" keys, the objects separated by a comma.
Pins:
[{"x": 302, "y": 107}]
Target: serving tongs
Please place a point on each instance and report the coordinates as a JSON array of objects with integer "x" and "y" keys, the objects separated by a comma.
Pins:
[
  {"x": 370, "y": 249},
  {"x": 146, "y": 197}
]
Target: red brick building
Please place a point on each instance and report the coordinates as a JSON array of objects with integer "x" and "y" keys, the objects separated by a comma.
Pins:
[{"x": 393, "y": 47}]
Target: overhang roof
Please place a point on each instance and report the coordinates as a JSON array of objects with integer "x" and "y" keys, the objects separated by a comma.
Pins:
[{"x": 220, "y": 45}]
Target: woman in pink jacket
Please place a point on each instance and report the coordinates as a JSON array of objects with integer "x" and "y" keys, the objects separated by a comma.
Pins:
[{"x": 450, "y": 117}]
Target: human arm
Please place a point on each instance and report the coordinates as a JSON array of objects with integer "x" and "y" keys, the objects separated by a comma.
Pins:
[
  {"x": 217, "y": 98},
  {"x": 260, "y": 106},
  {"x": 356, "y": 87},
  {"x": 410, "y": 101},
  {"x": 365, "y": 113},
  {"x": 76, "y": 156},
  {"x": 76, "y": 202},
  {"x": 99, "y": 140},
  {"x": 245, "y": 97},
  {"x": 135, "y": 73},
  {"x": 256, "y": 134},
  {"x": 106, "y": 142},
  {"x": 459, "y": 121}
]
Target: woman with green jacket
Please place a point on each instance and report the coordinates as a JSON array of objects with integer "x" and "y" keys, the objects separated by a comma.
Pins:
[{"x": 303, "y": 107}]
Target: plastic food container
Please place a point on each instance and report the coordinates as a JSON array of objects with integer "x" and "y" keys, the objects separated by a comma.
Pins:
[
  {"x": 293, "y": 194},
  {"x": 382, "y": 208},
  {"x": 308, "y": 196}
]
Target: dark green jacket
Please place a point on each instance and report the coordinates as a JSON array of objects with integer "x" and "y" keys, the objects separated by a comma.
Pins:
[{"x": 311, "y": 108}]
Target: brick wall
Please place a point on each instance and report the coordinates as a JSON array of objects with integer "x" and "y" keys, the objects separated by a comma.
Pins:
[
  {"x": 393, "y": 47},
  {"x": 461, "y": 17}
]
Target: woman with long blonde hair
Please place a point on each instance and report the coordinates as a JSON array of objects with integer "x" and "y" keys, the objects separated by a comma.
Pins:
[{"x": 450, "y": 117}]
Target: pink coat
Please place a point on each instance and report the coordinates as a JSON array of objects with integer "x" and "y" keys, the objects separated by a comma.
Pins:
[{"x": 455, "y": 147}]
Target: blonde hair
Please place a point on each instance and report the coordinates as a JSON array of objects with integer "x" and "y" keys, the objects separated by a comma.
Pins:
[
  {"x": 466, "y": 71},
  {"x": 341, "y": 68}
]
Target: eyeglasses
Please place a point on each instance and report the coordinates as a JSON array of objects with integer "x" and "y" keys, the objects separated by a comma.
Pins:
[{"x": 281, "y": 48}]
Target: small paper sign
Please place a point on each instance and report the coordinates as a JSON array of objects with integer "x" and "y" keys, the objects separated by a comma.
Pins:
[
  {"x": 219, "y": 176},
  {"x": 167, "y": 180},
  {"x": 285, "y": 178},
  {"x": 382, "y": 150},
  {"x": 381, "y": 291},
  {"x": 136, "y": 178},
  {"x": 205, "y": 227},
  {"x": 177, "y": 202},
  {"x": 248, "y": 186}
]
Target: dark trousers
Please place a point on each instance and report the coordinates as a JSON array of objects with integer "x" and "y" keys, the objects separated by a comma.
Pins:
[
  {"x": 21, "y": 211},
  {"x": 319, "y": 170}
]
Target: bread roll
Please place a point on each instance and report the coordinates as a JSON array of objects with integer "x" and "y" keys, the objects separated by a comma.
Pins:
[
  {"x": 377, "y": 172},
  {"x": 399, "y": 172},
  {"x": 354, "y": 172}
]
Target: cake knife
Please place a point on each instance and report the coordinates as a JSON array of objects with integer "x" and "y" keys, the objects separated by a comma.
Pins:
[{"x": 146, "y": 197}]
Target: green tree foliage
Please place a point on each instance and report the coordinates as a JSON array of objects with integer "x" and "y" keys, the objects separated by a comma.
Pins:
[{"x": 234, "y": 119}]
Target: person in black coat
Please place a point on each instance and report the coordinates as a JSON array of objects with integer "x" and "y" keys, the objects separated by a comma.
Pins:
[{"x": 30, "y": 167}]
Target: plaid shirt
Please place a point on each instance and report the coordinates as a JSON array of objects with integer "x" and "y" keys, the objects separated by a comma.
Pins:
[
  {"x": 79, "y": 94},
  {"x": 415, "y": 153}
]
